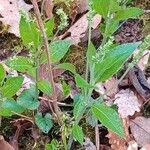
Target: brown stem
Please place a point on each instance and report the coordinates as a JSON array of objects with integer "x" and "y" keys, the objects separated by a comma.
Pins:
[
  {"x": 45, "y": 41},
  {"x": 97, "y": 140}
]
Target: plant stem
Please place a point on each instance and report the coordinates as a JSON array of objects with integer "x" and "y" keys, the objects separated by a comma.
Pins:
[
  {"x": 97, "y": 140},
  {"x": 45, "y": 41},
  {"x": 23, "y": 116}
]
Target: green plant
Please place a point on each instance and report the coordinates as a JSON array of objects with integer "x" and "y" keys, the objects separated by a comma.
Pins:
[{"x": 102, "y": 64}]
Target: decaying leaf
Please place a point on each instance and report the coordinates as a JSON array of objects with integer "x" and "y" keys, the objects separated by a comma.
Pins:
[
  {"x": 127, "y": 103},
  {"x": 82, "y": 6},
  {"x": 116, "y": 142},
  {"x": 9, "y": 10},
  {"x": 139, "y": 81},
  {"x": 132, "y": 145},
  {"x": 146, "y": 147},
  {"x": 140, "y": 129},
  {"x": 78, "y": 30},
  {"x": 89, "y": 144},
  {"x": 110, "y": 83},
  {"x": 144, "y": 60},
  {"x": 5, "y": 145},
  {"x": 48, "y": 8}
]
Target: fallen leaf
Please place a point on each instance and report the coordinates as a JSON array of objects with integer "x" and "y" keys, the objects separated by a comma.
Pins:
[
  {"x": 78, "y": 30},
  {"x": 127, "y": 103},
  {"x": 9, "y": 10},
  {"x": 5, "y": 145},
  {"x": 110, "y": 83},
  {"x": 82, "y": 6},
  {"x": 132, "y": 145},
  {"x": 139, "y": 81},
  {"x": 140, "y": 129},
  {"x": 144, "y": 59},
  {"x": 88, "y": 144},
  {"x": 116, "y": 142},
  {"x": 48, "y": 8},
  {"x": 146, "y": 147}
]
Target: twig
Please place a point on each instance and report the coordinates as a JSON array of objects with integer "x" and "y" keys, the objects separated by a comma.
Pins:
[
  {"x": 59, "y": 103},
  {"x": 23, "y": 116},
  {"x": 45, "y": 41},
  {"x": 97, "y": 140}
]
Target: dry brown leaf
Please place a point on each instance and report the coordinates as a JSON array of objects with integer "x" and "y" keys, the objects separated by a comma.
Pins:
[
  {"x": 144, "y": 59},
  {"x": 78, "y": 30},
  {"x": 48, "y": 8},
  {"x": 5, "y": 145},
  {"x": 88, "y": 144},
  {"x": 82, "y": 6},
  {"x": 140, "y": 129},
  {"x": 146, "y": 147},
  {"x": 116, "y": 142},
  {"x": 127, "y": 103},
  {"x": 9, "y": 10},
  {"x": 110, "y": 83},
  {"x": 139, "y": 81},
  {"x": 132, "y": 145}
]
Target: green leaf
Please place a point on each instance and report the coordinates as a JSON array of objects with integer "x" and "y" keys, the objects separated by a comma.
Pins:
[
  {"x": 5, "y": 112},
  {"x": 113, "y": 61},
  {"x": 101, "y": 6},
  {"x": 108, "y": 117},
  {"x": 58, "y": 49},
  {"x": 80, "y": 82},
  {"x": 77, "y": 133},
  {"x": 20, "y": 63},
  {"x": 29, "y": 33},
  {"x": 53, "y": 145},
  {"x": 90, "y": 53},
  {"x": 49, "y": 26},
  {"x": 127, "y": 13},
  {"x": 104, "y": 6},
  {"x": 44, "y": 122},
  {"x": 45, "y": 87},
  {"x": 9, "y": 106},
  {"x": 66, "y": 88},
  {"x": 11, "y": 86},
  {"x": 79, "y": 107},
  {"x": 67, "y": 66},
  {"x": 28, "y": 99},
  {"x": 2, "y": 74},
  {"x": 113, "y": 26}
]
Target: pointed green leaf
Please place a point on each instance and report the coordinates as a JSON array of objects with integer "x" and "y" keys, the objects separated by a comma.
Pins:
[
  {"x": 127, "y": 13},
  {"x": 77, "y": 133},
  {"x": 114, "y": 60},
  {"x": 44, "y": 122},
  {"x": 29, "y": 33},
  {"x": 28, "y": 99},
  {"x": 79, "y": 107},
  {"x": 104, "y": 6},
  {"x": 11, "y": 86},
  {"x": 90, "y": 53},
  {"x": 66, "y": 88},
  {"x": 45, "y": 87},
  {"x": 58, "y": 49},
  {"x": 108, "y": 117},
  {"x": 2, "y": 74},
  {"x": 20, "y": 63},
  {"x": 67, "y": 66},
  {"x": 80, "y": 82},
  {"x": 49, "y": 26}
]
